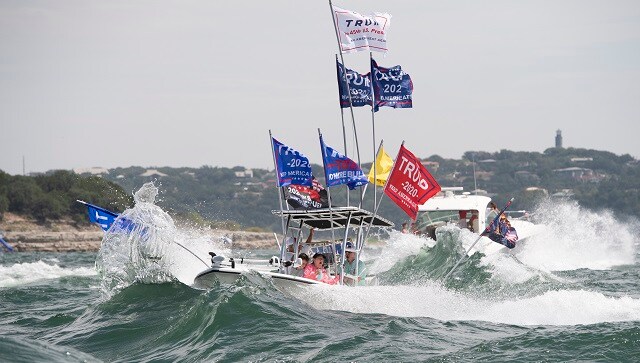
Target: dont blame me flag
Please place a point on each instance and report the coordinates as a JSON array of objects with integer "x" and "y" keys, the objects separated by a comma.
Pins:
[
  {"x": 361, "y": 32},
  {"x": 410, "y": 184},
  {"x": 339, "y": 169},
  {"x": 291, "y": 166},
  {"x": 392, "y": 87},
  {"x": 358, "y": 84}
]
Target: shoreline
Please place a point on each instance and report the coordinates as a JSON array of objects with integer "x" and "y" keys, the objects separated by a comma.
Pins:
[{"x": 25, "y": 235}]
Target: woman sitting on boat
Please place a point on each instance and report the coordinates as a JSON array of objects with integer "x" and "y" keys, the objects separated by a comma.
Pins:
[{"x": 316, "y": 271}]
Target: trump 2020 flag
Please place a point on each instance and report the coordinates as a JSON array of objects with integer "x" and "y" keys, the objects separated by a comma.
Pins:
[
  {"x": 392, "y": 87},
  {"x": 358, "y": 32},
  {"x": 339, "y": 169},
  {"x": 100, "y": 216},
  {"x": 359, "y": 85},
  {"x": 410, "y": 184},
  {"x": 291, "y": 166}
]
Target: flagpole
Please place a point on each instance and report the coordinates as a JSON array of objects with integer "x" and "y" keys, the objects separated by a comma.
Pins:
[
  {"x": 344, "y": 130},
  {"x": 373, "y": 130},
  {"x": 275, "y": 165},
  {"x": 326, "y": 179},
  {"x": 486, "y": 230},
  {"x": 353, "y": 119}
]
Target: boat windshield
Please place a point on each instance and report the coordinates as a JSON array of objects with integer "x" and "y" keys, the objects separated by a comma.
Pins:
[{"x": 432, "y": 217}]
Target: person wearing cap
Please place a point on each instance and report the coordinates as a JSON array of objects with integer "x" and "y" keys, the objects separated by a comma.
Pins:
[
  {"x": 316, "y": 271},
  {"x": 304, "y": 261},
  {"x": 354, "y": 270}
]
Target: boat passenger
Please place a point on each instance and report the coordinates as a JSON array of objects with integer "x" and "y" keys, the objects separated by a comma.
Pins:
[
  {"x": 354, "y": 270},
  {"x": 316, "y": 271},
  {"x": 503, "y": 233},
  {"x": 304, "y": 261},
  {"x": 462, "y": 223},
  {"x": 492, "y": 214},
  {"x": 474, "y": 224},
  {"x": 404, "y": 228}
]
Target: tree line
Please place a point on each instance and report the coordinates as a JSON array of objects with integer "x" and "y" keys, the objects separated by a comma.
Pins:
[{"x": 227, "y": 198}]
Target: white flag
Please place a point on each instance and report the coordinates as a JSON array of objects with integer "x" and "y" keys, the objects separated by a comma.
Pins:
[{"x": 359, "y": 32}]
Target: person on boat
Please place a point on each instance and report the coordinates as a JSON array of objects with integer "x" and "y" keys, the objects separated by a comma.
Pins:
[
  {"x": 316, "y": 271},
  {"x": 404, "y": 228},
  {"x": 353, "y": 269},
  {"x": 462, "y": 222},
  {"x": 493, "y": 213},
  {"x": 503, "y": 233},
  {"x": 302, "y": 247},
  {"x": 473, "y": 223},
  {"x": 304, "y": 261}
]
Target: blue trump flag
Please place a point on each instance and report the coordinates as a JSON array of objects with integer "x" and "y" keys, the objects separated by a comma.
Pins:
[
  {"x": 339, "y": 169},
  {"x": 359, "y": 85},
  {"x": 392, "y": 87},
  {"x": 291, "y": 166},
  {"x": 100, "y": 216},
  {"x": 106, "y": 218}
]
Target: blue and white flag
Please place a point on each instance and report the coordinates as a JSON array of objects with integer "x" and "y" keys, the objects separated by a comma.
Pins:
[
  {"x": 101, "y": 216},
  {"x": 339, "y": 169},
  {"x": 291, "y": 166},
  {"x": 392, "y": 87},
  {"x": 359, "y": 85}
]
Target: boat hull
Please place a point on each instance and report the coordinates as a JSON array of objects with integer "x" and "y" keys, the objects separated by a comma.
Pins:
[{"x": 227, "y": 276}]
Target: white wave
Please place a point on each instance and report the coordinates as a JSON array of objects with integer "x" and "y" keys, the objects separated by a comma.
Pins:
[
  {"x": 575, "y": 238},
  {"x": 398, "y": 247},
  {"x": 29, "y": 272},
  {"x": 565, "y": 307},
  {"x": 154, "y": 250}
]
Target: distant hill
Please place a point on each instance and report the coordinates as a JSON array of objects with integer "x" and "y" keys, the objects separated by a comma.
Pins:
[{"x": 237, "y": 198}]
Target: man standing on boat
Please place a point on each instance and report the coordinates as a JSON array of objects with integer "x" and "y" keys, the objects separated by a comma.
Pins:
[{"x": 354, "y": 270}]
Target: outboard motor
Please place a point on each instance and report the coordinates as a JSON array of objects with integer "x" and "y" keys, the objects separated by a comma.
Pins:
[{"x": 274, "y": 261}]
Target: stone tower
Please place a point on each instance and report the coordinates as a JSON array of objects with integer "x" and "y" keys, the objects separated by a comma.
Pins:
[{"x": 559, "y": 139}]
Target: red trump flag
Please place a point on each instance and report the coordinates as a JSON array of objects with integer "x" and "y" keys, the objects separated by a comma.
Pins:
[{"x": 410, "y": 184}]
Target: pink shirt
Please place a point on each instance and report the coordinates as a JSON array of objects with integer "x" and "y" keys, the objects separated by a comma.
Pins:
[{"x": 319, "y": 274}]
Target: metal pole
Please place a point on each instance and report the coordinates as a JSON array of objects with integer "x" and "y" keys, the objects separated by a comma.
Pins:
[
  {"x": 275, "y": 165},
  {"x": 373, "y": 131},
  {"x": 344, "y": 130},
  {"x": 353, "y": 119}
]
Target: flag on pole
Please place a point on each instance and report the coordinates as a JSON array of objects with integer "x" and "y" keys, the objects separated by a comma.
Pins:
[
  {"x": 339, "y": 169},
  {"x": 291, "y": 166},
  {"x": 392, "y": 87},
  {"x": 359, "y": 85},
  {"x": 384, "y": 163},
  {"x": 101, "y": 216},
  {"x": 302, "y": 197},
  {"x": 410, "y": 184},
  {"x": 358, "y": 32}
]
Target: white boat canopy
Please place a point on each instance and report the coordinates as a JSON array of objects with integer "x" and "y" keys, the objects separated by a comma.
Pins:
[{"x": 336, "y": 217}]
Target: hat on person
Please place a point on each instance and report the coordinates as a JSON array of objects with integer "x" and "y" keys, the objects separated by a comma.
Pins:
[{"x": 349, "y": 247}]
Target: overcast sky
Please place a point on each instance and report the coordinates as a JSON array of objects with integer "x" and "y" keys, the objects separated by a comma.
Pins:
[{"x": 191, "y": 83}]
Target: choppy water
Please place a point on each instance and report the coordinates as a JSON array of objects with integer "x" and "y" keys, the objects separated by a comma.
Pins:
[{"x": 570, "y": 294}]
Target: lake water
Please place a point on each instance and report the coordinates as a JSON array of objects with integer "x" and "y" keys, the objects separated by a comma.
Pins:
[{"x": 572, "y": 293}]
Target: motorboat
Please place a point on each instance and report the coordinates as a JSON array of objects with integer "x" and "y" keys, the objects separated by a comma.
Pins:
[
  {"x": 281, "y": 267},
  {"x": 453, "y": 206}
]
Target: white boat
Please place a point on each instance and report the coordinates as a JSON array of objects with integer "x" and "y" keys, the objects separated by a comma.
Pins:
[
  {"x": 279, "y": 267},
  {"x": 449, "y": 207}
]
